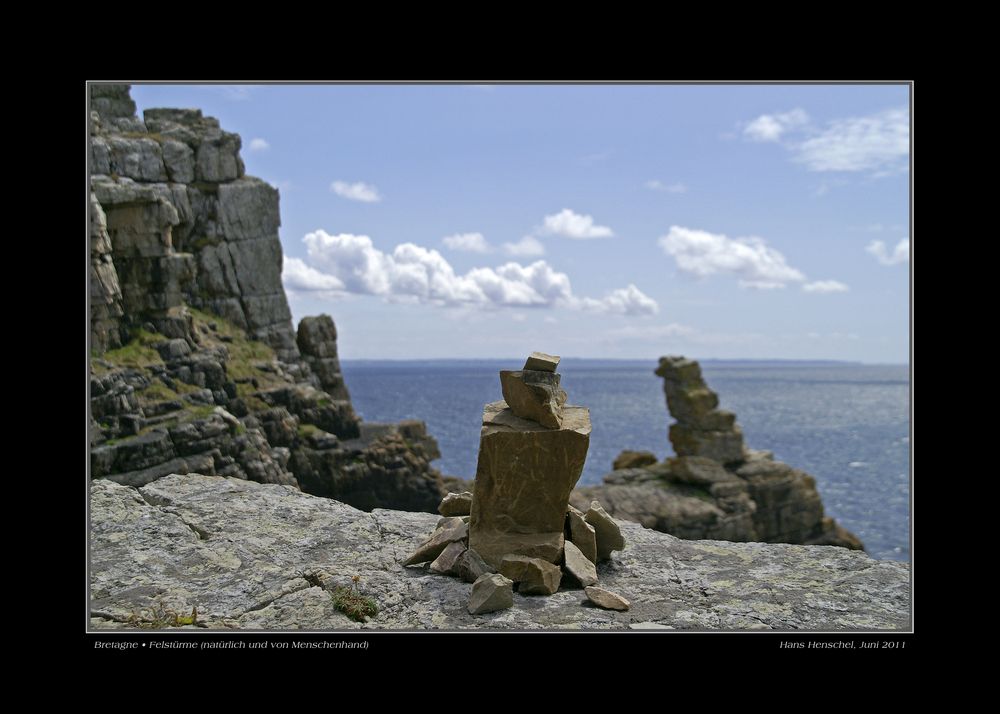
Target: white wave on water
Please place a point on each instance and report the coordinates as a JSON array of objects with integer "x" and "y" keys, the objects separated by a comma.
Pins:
[{"x": 858, "y": 464}]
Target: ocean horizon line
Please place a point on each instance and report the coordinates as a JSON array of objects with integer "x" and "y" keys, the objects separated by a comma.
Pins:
[{"x": 633, "y": 360}]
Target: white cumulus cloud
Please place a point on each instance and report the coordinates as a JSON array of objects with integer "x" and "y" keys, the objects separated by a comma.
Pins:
[
  {"x": 299, "y": 277},
  {"x": 623, "y": 301},
  {"x": 879, "y": 143},
  {"x": 899, "y": 254},
  {"x": 825, "y": 286},
  {"x": 258, "y": 144},
  {"x": 574, "y": 225},
  {"x": 468, "y": 242},
  {"x": 528, "y": 246},
  {"x": 656, "y": 185},
  {"x": 702, "y": 253},
  {"x": 413, "y": 273},
  {"x": 770, "y": 127},
  {"x": 358, "y": 191}
]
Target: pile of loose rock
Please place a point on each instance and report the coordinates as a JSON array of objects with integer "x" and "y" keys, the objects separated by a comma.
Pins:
[{"x": 518, "y": 529}]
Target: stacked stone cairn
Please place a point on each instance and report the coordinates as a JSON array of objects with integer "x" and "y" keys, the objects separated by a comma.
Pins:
[
  {"x": 701, "y": 429},
  {"x": 518, "y": 530}
]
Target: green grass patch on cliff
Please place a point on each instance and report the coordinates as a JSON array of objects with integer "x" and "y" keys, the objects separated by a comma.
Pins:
[
  {"x": 307, "y": 430},
  {"x": 201, "y": 411},
  {"x": 246, "y": 356},
  {"x": 157, "y": 392},
  {"x": 185, "y": 388},
  {"x": 137, "y": 352},
  {"x": 248, "y": 393},
  {"x": 241, "y": 347}
]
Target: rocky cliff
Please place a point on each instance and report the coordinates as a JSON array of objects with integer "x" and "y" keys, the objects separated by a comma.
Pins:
[
  {"x": 253, "y": 556},
  {"x": 715, "y": 487},
  {"x": 195, "y": 363}
]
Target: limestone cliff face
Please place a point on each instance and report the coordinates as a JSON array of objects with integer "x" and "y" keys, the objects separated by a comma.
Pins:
[
  {"x": 716, "y": 487},
  {"x": 196, "y": 365},
  {"x": 254, "y": 556},
  {"x": 181, "y": 224}
]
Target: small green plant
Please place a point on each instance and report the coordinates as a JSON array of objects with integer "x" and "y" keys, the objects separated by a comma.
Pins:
[
  {"x": 157, "y": 617},
  {"x": 352, "y": 603}
]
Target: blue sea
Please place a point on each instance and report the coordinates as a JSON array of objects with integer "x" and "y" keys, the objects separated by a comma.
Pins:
[{"x": 846, "y": 424}]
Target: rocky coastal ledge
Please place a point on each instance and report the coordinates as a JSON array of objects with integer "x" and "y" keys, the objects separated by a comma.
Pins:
[
  {"x": 715, "y": 487},
  {"x": 267, "y": 556}
]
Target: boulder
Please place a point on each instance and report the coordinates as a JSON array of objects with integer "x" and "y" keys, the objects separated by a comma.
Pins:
[
  {"x": 534, "y": 576},
  {"x": 490, "y": 592},
  {"x": 456, "y": 504},
  {"x": 523, "y": 481},
  {"x": 723, "y": 446},
  {"x": 471, "y": 566},
  {"x": 633, "y": 459},
  {"x": 534, "y": 395}
]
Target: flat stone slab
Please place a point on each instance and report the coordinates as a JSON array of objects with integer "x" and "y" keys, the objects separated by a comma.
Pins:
[
  {"x": 606, "y": 599},
  {"x": 447, "y": 562},
  {"x": 581, "y": 533},
  {"x": 542, "y": 362},
  {"x": 581, "y": 568},
  {"x": 609, "y": 535},
  {"x": 238, "y": 550},
  {"x": 439, "y": 540},
  {"x": 534, "y": 576}
]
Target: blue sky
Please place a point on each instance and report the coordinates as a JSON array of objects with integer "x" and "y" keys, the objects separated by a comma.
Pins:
[{"x": 588, "y": 221}]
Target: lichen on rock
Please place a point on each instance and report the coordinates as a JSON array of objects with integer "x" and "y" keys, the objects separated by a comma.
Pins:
[{"x": 267, "y": 556}]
